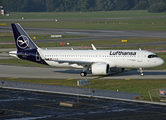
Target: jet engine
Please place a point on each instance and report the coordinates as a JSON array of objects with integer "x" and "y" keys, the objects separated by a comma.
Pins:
[{"x": 100, "y": 69}]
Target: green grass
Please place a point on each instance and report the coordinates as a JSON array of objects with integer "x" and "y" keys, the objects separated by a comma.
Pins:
[
  {"x": 153, "y": 24},
  {"x": 7, "y": 46},
  {"x": 9, "y": 37},
  {"x": 71, "y": 15},
  {"x": 88, "y": 43},
  {"x": 6, "y": 37},
  {"x": 150, "y": 24},
  {"x": 20, "y": 62},
  {"x": 112, "y": 42},
  {"x": 134, "y": 86},
  {"x": 117, "y": 41}
]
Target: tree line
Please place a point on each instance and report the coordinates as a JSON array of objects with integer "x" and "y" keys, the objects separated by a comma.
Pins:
[{"x": 82, "y": 5}]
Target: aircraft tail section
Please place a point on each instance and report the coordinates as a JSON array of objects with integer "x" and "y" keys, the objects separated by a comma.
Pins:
[
  {"x": 26, "y": 48},
  {"x": 22, "y": 39}
]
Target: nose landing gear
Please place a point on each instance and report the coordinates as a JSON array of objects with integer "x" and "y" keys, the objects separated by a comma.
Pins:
[{"x": 141, "y": 71}]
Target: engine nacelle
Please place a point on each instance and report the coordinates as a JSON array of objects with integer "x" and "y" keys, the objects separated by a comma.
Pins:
[
  {"x": 100, "y": 69},
  {"x": 117, "y": 69}
]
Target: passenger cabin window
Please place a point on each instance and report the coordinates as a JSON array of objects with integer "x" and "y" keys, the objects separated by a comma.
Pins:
[{"x": 152, "y": 56}]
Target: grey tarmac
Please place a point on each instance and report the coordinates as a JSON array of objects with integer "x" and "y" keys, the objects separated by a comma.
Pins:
[
  {"x": 9, "y": 71},
  {"x": 95, "y": 33}
]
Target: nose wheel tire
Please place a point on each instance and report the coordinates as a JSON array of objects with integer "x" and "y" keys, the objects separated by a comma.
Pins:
[
  {"x": 141, "y": 71},
  {"x": 142, "y": 74},
  {"x": 82, "y": 74}
]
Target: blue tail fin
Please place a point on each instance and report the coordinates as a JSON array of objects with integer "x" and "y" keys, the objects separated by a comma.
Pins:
[
  {"x": 26, "y": 48},
  {"x": 23, "y": 41}
]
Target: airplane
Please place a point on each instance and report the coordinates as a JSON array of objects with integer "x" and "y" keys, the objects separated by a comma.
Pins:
[{"x": 99, "y": 62}]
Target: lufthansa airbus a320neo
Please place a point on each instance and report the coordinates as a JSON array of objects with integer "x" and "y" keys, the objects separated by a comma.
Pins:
[{"x": 99, "y": 62}]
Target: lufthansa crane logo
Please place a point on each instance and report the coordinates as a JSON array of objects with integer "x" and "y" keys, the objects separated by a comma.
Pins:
[{"x": 22, "y": 42}]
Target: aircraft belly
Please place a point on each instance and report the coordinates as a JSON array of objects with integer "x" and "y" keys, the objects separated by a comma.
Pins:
[
  {"x": 136, "y": 65},
  {"x": 56, "y": 64}
]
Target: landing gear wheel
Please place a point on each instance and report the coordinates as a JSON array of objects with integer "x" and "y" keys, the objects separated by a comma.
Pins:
[
  {"x": 141, "y": 71},
  {"x": 142, "y": 74},
  {"x": 82, "y": 74}
]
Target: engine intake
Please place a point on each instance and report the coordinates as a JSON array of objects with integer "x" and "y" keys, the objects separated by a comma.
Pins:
[{"x": 100, "y": 69}]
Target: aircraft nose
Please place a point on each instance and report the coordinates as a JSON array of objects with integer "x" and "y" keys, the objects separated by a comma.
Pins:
[{"x": 161, "y": 61}]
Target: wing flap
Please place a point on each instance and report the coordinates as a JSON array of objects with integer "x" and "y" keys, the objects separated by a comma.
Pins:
[{"x": 73, "y": 62}]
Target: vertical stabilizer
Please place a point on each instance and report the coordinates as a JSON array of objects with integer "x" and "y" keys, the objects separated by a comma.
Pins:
[{"x": 22, "y": 39}]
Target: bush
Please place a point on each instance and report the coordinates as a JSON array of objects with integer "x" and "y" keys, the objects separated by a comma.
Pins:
[
  {"x": 157, "y": 7},
  {"x": 141, "y": 6}
]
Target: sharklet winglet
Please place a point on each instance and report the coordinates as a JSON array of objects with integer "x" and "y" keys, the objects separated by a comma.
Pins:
[{"x": 94, "y": 48}]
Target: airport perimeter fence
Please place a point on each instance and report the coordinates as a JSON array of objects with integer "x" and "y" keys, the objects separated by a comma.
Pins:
[{"x": 157, "y": 95}]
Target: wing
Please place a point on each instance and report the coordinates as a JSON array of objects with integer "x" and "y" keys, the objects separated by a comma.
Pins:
[{"x": 74, "y": 62}]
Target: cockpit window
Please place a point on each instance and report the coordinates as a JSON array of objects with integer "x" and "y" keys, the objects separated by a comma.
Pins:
[{"x": 152, "y": 56}]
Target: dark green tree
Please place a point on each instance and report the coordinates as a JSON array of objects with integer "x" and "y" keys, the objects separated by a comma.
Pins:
[
  {"x": 143, "y": 5},
  {"x": 109, "y": 5},
  {"x": 85, "y": 5},
  {"x": 39, "y": 5},
  {"x": 151, "y": 2},
  {"x": 124, "y": 4},
  {"x": 157, "y": 7},
  {"x": 99, "y": 5},
  {"x": 76, "y": 5},
  {"x": 50, "y": 7}
]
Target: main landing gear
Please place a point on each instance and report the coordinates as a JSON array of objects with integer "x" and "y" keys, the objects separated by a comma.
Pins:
[
  {"x": 82, "y": 74},
  {"x": 141, "y": 71}
]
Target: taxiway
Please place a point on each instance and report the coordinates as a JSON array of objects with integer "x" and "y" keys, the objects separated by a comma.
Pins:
[
  {"x": 8, "y": 71},
  {"x": 103, "y": 34}
]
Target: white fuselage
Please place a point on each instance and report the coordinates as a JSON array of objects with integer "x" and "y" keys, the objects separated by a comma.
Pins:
[{"x": 115, "y": 58}]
